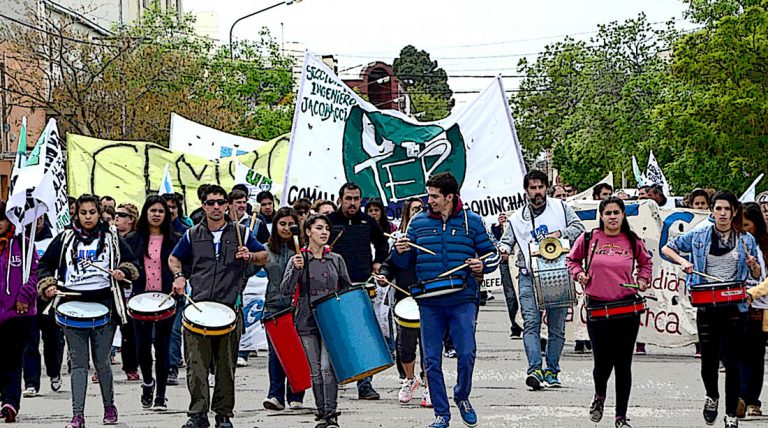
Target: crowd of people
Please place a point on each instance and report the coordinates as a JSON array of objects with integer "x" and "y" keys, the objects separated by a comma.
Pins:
[{"x": 438, "y": 253}]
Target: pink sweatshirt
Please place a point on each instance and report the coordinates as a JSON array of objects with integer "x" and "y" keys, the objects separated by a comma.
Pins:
[{"x": 610, "y": 266}]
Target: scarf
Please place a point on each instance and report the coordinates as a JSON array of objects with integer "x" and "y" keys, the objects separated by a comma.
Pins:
[
  {"x": 6, "y": 237},
  {"x": 720, "y": 248},
  {"x": 87, "y": 236}
]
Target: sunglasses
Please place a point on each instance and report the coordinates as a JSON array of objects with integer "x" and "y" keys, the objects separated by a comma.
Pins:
[
  {"x": 616, "y": 212},
  {"x": 212, "y": 202},
  {"x": 122, "y": 215}
]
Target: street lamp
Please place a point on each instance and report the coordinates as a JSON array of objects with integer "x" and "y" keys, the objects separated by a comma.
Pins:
[{"x": 284, "y": 2}]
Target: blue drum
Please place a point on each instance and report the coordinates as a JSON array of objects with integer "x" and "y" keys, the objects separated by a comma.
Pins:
[
  {"x": 82, "y": 315},
  {"x": 352, "y": 335},
  {"x": 438, "y": 287}
]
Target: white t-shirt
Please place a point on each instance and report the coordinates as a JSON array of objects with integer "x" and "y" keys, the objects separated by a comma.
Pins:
[{"x": 86, "y": 278}]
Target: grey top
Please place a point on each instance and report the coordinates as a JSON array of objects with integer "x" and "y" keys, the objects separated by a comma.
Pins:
[
  {"x": 274, "y": 299},
  {"x": 725, "y": 267}
]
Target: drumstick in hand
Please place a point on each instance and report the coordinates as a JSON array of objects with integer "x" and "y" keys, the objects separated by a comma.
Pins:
[
  {"x": 192, "y": 302},
  {"x": 168, "y": 297},
  {"x": 337, "y": 238},
  {"x": 255, "y": 215},
  {"x": 462, "y": 266},
  {"x": 381, "y": 277},
  {"x": 89, "y": 263},
  {"x": 709, "y": 276},
  {"x": 411, "y": 244},
  {"x": 295, "y": 233}
]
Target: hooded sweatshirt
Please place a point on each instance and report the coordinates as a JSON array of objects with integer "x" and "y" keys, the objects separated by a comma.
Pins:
[{"x": 12, "y": 288}]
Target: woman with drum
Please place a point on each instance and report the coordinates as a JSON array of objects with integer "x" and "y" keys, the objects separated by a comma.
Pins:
[
  {"x": 723, "y": 258},
  {"x": 609, "y": 256},
  {"x": 152, "y": 243},
  {"x": 317, "y": 272},
  {"x": 84, "y": 266},
  {"x": 17, "y": 309},
  {"x": 126, "y": 218},
  {"x": 280, "y": 247}
]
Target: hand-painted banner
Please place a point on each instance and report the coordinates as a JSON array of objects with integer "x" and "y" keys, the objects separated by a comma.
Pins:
[{"x": 128, "y": 170}]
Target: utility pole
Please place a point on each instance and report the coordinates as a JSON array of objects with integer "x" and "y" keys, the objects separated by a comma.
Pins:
[{"x": 122, "y": 69}]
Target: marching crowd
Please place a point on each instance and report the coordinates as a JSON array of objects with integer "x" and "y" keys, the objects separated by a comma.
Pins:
[{"x": 88, "y": 281}]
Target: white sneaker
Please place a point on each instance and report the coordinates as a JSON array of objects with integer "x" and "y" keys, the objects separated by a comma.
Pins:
[
  {"x": 295, "y": 405},
  {"x": 407, "y": 390},
  {"x": 29, "y": 392},
  {"x": 426, "y": 401},
  {"x": 241, "y": 362},
  {"x": 272, "y": 403}
]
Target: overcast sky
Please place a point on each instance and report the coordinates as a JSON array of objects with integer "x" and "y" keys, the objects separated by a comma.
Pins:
[{"x": 478, "y": 37}]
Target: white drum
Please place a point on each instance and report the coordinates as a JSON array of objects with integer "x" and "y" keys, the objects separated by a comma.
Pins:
[
  {"x": 213, "y": 319},
  {"x": 151, "y": 306},
  {"x": 406, "y": 313},
  {"x": 82, "y": 315}
]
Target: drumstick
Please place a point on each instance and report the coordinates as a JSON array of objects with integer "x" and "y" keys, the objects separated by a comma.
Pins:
[
  {"x": 591, "y": 257},
  {"x": 53, "y": 303},
  {"x": 337, "y": 237},
  {"x": 709, "y": 276},
  {"x": 393, "y": 285},
  {"x": 411, "y": 244},
  {"x": 295, "y": 233},
  {"x": 239, "y": 238},
  {"x": 90, "y": 263},
  {"x": 192, "y": 302},
  {"x": 253, "y": 220},
  {"x": 631, "y": 286},
  {"x": 462, "y": 266},
  {"x": 168, "y": 297},
  {"x": 68, "y": 293}
]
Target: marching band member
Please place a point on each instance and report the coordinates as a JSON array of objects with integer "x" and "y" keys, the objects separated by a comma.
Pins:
[
  {"x": 718, "y": 250},
  {"x": 457, "y": 236},
  {"x": 212, "y": 249},
  {"x": 611, "y": 258},
  {"x": 317, "y": 272},
  {"x": 90, "y": 239},
  {"x": 552, "y": 218}
]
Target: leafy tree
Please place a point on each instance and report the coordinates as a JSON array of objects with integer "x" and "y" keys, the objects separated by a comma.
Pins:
[
  {"x": 428, "y": 83},
  {"x": 426, "y": 106}
]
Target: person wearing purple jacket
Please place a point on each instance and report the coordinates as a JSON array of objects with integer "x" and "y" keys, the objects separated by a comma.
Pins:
[{"x": 17, "y": 308}]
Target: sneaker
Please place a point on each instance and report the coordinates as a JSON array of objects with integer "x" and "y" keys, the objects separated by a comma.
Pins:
[
  {"x": 295, "y": 405},
  {"x": 579, "y": 348},
  {"x": 173, "y": 376},
  {"x": 242, "y": 362},
  {"x": 78, "y": 421},
  {"x": 30, "y": 392},
  {"x": 588, "y": 347},
  {"x": 426, "y": 400},
  {"x": 161, "y": 404},
  {"x": 621, "y": 422},
  {"x": 133, "y": 376},
  {"x": 332, "y": 421},
  {"x": 368, "y": 394},
  {"x": 551, "y": 380},
  {"x": 113, "y": 360},
  {"x": 731, "y": 422},
  {"x": 753, "y": 410},
  {"x": 439, "y": 422},
  {"x": 223, "y": 421},
  {"x": 697, "y": 354},
  {"x": 110, "y": 415},
  {"x": 407, "y": 389},
  {"x": 322, "y": 424},
  {"x": 468, "y": 414},
  {"x": 535, "y": 380},
  {"x": 596, "y": 409},
  {"x": 9, "y": 413},
  {"x": 95, "y": 378},
  {"x": 710, "y": 411},
  {"x": 272, "y": 403},
  {"x": 640, "y": 349},
  {"x": 515, "y": 335},
  {"x": 147, "y": 391},
  {"x": 182, "y": 364},
  {"x": 450, "y": 353},
  {"x": 197, "y": 421},
  {"x": 741, "y": 409},
  {"x": 56, "y": 384}
]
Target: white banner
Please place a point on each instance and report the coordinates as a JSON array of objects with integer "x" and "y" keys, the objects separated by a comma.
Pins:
[
  {"x": 655, "y": 175},
  {"x": 586, "y": 195},
  {"x": 749, "y": 194},
  {"x": 254, "y": 181},
  {"x": 339, "y": 137},
  {"x": 254, "y": 338},
  {"x": 199, "y": 140}
]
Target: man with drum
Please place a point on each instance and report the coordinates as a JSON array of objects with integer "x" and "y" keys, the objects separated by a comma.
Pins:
[
  {"x": 218, "y": 250},
  {"x": 457, "y": 238},
  {"x": 551, "y": 218}
]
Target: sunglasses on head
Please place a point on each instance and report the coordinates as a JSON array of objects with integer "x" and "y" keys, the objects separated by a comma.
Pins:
[
  {"x": 122, "y": 215},
  {"x": 212, "y": 202}
]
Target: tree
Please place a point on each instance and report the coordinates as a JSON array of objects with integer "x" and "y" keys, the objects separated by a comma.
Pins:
[{"x": 428, "y": 83}]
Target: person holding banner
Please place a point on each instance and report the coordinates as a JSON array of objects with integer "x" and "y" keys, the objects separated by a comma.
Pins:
[
  {"x": 89, "y": 259},
  {"x": 458, "y": 239},
  {"x": 551, "y": 218},
  {"x": 719, "y": 250},
  {"x": 604, "y": 262},
  {"x": 17, "y": 312}
]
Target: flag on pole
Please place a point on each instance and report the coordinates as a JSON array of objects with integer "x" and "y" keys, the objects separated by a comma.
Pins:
[
  {"x": 655, "y": 175},
  {"x": 21, "y": 155},
  {"x": 166, "y": 187},
  {"x": 749, "y": 195},
  {"x": 639, "y": 178}
]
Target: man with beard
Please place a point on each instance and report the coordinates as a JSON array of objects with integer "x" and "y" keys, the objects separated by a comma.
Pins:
[{"x": 552, "y": 218}]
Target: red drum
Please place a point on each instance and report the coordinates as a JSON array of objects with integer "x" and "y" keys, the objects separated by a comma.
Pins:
[
  {"x": 151, "y": 306},
  {"x": 718, "y": 294},
  {"x": 288, "y": 347},
  {"x": 628, "y": 307}
]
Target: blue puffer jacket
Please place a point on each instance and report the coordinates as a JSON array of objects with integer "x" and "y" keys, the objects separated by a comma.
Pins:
[{"x": 462, "y": 236}]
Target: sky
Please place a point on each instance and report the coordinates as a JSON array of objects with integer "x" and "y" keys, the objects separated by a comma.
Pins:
[{"x": 477, "y": 38}]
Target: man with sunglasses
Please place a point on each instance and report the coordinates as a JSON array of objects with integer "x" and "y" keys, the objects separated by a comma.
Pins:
[{"x": 216, "y": 261}]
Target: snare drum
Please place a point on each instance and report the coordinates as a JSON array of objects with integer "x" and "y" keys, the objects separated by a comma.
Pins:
[
  {"x": 552, "y": 284},
  {"x": 628, "y": 307},
  {"x": 718, "y": 294},
  {"x": 438, "y": 287},
  {"x": 213, "y": 319},
  {"x": 151, "y": 306},
  {"x": 82, "y": 315},
  {"x": 406, "y": 313}
]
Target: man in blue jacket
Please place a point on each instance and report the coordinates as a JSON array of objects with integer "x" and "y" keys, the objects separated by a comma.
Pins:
[{"x": 456, "y": 236}]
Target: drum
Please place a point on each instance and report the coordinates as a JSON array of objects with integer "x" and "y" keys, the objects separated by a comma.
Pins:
[
  {"x": 82, "y": 315},
  {"x": 718, "y": 294},
  {"x": 438, "y": 287},
  {"x": 369, "y": 287},
  {"x": 151, "y": 306},
  {"x": 213, "y": 319},
  {"x": 287, "y": 345},
  {"x": 552, "y": 284},
  {"x": 629, "y": 307},
  {"x": 352, "y": 335},
  {"x": 406, "y": 313}
]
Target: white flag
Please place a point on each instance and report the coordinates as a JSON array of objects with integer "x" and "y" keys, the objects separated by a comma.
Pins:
[
  {"x": 655, "y": 175},
  {"x": 587, "y": 194},
  {"x": 166, "y": 186},
  {"x": 749, "y": 195}
]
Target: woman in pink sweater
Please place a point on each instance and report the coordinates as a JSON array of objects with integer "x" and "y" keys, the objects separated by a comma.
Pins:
[{"x": 610, "y": 256}]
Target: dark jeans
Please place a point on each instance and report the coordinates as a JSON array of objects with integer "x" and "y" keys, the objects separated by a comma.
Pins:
[
  {"x": 14, "y": 333},
  {"x": 128, "y": 350},
  {"x": 175, "y": 350},
  {"x": 509, "y": 292},
  {"x": 613, "y": 344},
  {"x": 162, "y": 341},
  {"x": 721, "y": 329},
  {"x": 277, "y": 380},
  {"x": 53, "y": 349},
  {"x": 753, "y": 361}
]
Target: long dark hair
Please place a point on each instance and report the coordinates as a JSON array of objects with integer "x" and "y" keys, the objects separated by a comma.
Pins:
[
  {"x": 405, "y": 218},
  {"x": 142, "y": 228},
  {"x": 753, "y": 213},
  {"x": 625, "y": 229},
  {"x": 383, "y": 221},
  {"x": 275, "y": 241}
]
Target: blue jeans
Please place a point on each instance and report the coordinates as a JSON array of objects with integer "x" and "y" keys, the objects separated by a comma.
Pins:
[
  {"x": 175, "y": 346},
  {"x": 277, "y": 380},
  {"x": 509, "y": 293},
  {"x": 532, "y": 328},
  {"x": 435, "y": 320}
]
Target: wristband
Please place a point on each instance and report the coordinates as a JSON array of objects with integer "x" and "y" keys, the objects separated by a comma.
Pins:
[{"x": 178, "y": 275}]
